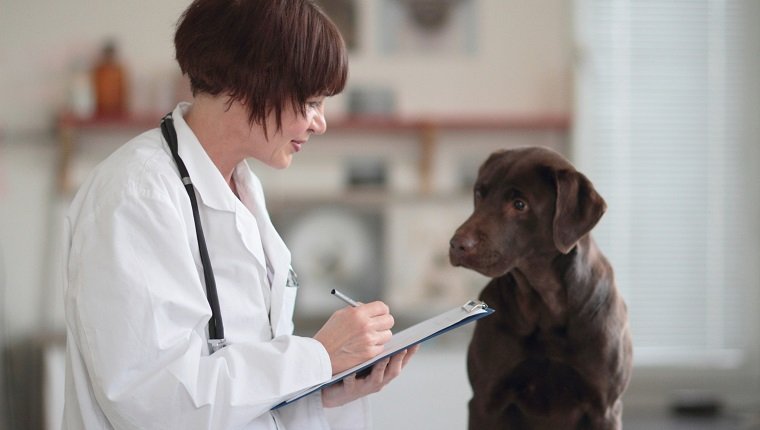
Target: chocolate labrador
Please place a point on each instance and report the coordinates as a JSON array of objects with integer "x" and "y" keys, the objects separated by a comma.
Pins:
[{"x": 557, "y": 352}]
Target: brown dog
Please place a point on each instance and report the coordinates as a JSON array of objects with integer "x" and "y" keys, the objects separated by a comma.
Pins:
[{"x": 556, "y": 354}]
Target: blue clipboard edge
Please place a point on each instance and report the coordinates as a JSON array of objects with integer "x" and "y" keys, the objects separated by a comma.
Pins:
[{"x": 472, "y": 318}]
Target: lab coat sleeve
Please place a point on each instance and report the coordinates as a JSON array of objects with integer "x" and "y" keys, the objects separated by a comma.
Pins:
[
  {"x": 351, "y": 416},
  {"x": 137, "y": 312},
  {"x": 309, "y": 410}
]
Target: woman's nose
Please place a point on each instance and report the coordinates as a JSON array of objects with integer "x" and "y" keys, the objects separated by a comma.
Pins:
[{"x": 318, "y": 123}]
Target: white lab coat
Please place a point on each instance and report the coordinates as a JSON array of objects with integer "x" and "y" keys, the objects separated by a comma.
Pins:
[{"x": 136, "y": 308}]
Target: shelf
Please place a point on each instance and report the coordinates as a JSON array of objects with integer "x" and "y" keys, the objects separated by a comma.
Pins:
[
  {"x": 426, "y": 127},
  {"x": 348, "y": 123},
  {"x": 370, "y": 197},
  {"x": 68, "y": 121},
  {"x": 69, "y": 126},
  {"x": 452, "y": 123}
]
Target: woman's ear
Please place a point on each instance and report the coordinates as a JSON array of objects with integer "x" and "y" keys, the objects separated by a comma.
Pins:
[{"x": 577, "y": 210}]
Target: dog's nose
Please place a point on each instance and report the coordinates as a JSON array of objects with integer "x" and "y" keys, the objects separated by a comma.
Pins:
[
  {"x": 461, "y": 247},
  {"x": 463, "y": 243}
]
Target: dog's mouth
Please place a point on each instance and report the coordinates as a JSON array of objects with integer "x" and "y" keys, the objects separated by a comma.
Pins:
[{"x": 489, "y": 263}]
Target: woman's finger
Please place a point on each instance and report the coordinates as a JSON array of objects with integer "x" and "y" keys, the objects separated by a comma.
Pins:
[
  {"x": 374, "y": 309},
  {"x": 394, "y": 367},
  {"x": 382, "y": 337},
  {"x": 378, "y": 372},
  {"x": 382, "y": 322},
  {"x": 349, "y": 382},
  {"x": 410, "y": 353}
]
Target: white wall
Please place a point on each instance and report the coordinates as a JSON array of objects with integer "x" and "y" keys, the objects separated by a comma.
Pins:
[
  {"x": 522, "y": 66},
  {"x": 41, "y": 40},
  {"x": 522, "y": 63}
]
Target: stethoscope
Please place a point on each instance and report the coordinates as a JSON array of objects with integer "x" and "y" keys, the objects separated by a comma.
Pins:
[{"x": 216, "y": 340}]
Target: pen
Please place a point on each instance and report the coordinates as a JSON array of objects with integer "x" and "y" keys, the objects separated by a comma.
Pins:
[{"x": 344, "y": 297}]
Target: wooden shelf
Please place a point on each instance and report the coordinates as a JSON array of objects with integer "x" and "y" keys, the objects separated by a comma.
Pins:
[
  {"x": 69, "y": 126},
  {"x": 426, "y": 127},
  {"x": 379, "y": 123},
  {"x": 452, "y": 123},
  {"x": 127, "y": 122}
]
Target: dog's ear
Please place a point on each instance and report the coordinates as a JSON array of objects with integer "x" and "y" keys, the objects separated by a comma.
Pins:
[{"x": 578, "y": 208}]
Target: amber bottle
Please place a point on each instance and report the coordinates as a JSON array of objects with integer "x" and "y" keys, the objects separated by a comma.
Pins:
[{"x": 109, "y": 81}]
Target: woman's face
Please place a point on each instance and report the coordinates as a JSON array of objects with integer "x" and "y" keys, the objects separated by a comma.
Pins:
[{"x": 277, "y": 151}]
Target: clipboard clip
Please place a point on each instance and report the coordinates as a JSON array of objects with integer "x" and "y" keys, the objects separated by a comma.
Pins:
[{"x": 474, "y": 304}]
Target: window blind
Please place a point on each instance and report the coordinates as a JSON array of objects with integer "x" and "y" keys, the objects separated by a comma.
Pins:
[{"x": 658, "y": 132}]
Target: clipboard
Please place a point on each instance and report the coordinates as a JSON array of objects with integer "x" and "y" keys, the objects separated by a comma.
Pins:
[{"x": 471, "y": 311}]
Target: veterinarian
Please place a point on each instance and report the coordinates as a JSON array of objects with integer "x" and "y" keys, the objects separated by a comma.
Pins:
[{"x": 164, "y": 332}]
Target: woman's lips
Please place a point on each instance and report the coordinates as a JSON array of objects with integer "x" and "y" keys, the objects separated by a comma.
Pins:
[{"x": 297, "y": 144}]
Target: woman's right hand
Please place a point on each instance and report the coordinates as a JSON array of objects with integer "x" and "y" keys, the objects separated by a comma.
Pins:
[{"x": 353, "y": 335}]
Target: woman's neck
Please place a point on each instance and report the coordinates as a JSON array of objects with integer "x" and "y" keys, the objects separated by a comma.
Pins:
[{"x": 218, "y": 131}]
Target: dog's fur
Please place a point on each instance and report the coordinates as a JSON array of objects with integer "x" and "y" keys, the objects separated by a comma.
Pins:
[{"x": 557, "y": 352}]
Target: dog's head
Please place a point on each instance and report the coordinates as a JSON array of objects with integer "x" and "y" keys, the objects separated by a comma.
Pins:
[{"x": 529, "y": 202}]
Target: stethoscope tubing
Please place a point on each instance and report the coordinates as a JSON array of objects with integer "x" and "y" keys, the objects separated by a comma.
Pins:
[{"x": 215, "y": 324}]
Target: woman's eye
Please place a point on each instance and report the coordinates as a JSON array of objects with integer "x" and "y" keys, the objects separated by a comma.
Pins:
[{"x": 520, "y": 205}]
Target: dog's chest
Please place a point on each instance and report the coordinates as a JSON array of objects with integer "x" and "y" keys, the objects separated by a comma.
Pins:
[
  {"x": 523, "y": 329},
  {"x": 539, "y": 358},
  {"x": 536, "y": 319},
  {"x": 518, "y": 341}
]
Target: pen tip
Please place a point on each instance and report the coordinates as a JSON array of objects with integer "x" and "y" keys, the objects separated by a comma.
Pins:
[{"x": 333, "y": 291}]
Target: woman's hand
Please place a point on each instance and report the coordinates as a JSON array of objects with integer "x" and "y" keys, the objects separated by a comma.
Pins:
[
  {"x": 355, "y": 334},
  {"x": 352, "y": 388}
]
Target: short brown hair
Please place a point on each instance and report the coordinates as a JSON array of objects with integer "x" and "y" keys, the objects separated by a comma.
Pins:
[{"x": 264, "y": 53}]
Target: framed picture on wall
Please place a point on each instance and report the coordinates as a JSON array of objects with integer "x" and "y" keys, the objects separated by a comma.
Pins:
[
  {"x": 428, "y": 27},
  {"x": 344, "y": 15}
]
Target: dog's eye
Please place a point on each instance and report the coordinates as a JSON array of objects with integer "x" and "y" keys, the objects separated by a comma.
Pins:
[{"x": 520, "y": 205}]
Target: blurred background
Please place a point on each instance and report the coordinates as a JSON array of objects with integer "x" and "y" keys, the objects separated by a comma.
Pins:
[{"x": 657, "y": 102}]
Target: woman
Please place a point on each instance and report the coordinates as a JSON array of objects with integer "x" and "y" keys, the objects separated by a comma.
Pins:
[{"x": 138, "y": 350}]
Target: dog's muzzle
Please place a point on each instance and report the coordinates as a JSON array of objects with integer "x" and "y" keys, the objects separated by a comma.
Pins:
[{"x": 461, "y": 248}]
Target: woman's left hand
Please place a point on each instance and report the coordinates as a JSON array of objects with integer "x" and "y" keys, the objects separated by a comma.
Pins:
[{"x": 352, "y": 388}]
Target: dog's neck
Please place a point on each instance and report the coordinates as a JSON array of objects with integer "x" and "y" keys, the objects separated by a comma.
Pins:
[
  {"x": 545, "y": 284},
  {"x": 546, "y": 276}
]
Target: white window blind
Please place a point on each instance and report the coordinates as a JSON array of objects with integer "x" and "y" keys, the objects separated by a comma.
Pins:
[{"x": 658, "y": 131}]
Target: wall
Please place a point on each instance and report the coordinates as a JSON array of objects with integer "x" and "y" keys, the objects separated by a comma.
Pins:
[
  {"x": 42, "y": 40},
  {"x": 521, "y": 66}
]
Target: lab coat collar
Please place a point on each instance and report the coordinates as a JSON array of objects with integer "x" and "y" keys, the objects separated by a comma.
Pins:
[
  {"x": 214, "y": 192},
  {"x": 208, "y": 181},
  {"x": 274, "y": 247},
  {"x": 211, "y": 187}
]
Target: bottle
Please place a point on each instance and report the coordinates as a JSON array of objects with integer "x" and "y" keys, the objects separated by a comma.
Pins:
[
  {"x": 81, "y": 97},
  {"x": 109, "y": 81}
]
